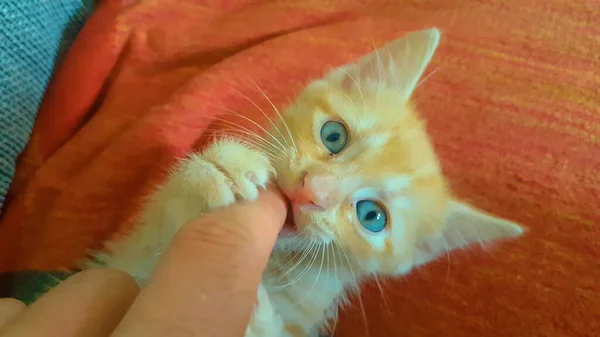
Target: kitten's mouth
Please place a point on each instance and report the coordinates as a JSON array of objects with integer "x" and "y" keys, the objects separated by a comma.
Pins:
[{"x": 289, "y": 227}]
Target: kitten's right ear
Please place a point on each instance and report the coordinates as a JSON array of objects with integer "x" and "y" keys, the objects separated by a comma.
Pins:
[
  {"x": 464, "y": 225},
  {"x": 398, "y": 65}
]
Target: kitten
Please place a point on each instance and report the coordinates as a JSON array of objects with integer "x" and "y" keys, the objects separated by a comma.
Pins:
[{"x": 367, "y": 196}]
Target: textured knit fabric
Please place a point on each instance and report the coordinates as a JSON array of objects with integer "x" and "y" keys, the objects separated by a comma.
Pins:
[
  {"x": 33, "y": 34},
  {"x": 513, "y": 106}
]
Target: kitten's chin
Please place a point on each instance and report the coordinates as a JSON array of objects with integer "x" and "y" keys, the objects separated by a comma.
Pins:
[{"x": 288, "y": 230}]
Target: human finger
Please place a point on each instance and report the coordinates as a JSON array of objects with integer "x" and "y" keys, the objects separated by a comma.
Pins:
[
  {"x": 9, "y": 309},
  {"x": 206, "y": 282},
  {"x": 90, "y": 304}
]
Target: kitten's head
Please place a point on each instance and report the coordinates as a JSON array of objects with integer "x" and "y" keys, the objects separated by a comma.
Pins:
[{"x": 360, "y": 170}]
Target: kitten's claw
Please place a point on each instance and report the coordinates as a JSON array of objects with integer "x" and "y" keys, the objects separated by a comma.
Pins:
[{"x": 247, "y": 170}]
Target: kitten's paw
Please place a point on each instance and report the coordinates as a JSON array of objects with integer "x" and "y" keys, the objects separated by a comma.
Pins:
[
  {"x": 225, "y": 172},
  {"x": 247, "y": 170}
]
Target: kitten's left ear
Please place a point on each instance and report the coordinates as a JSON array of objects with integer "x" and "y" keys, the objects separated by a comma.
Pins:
[
  {"x": 398, "y": 64},
  {"x": 464, "y": 225}
]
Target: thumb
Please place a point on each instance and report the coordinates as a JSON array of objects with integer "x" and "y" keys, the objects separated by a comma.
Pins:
[{"x": 208, "y": 278}]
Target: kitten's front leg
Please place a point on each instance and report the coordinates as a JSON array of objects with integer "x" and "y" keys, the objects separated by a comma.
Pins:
[
  {"x": 225, "y": 172},
  {"x": 265, "y": 322}
]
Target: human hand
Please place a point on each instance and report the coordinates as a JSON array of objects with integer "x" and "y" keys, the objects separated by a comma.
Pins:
[{"x": 204, "y": 285}]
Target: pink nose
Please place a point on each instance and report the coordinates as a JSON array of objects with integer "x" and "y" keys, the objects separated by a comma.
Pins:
[{"x": 312, "y": 191}]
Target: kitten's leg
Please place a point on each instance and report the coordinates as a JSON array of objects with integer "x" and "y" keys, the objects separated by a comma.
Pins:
[
  {"x": 265, "y": 322},
  {"x": 225, "y": 172}
]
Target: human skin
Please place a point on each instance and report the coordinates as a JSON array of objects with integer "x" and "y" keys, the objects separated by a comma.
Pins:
[{"x": 204, "y": 285}]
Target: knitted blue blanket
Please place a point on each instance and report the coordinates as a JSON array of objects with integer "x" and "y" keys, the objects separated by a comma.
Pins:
[{"x": 34, "y": 34}]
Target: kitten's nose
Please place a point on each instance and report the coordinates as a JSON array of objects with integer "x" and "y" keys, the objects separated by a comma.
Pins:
[{"x": 312, "y": 191}]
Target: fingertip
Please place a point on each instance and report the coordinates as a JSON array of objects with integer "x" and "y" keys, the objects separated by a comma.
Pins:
[
  {"x": 104, "y": 276},
  {"x": 9, "y": 309},
  {"x": 272, "y": 201}
]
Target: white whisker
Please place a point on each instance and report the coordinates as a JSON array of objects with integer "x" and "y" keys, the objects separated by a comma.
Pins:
[
  {"x": 385, "y": 302},
  {"x": 360, "y": 301},
  {"x": 379, "y": 73},
  {"x": 305, "y": 253},
  {"x": 362, "y": 97},
  {"x": 448, "y": 268},
  {"x": 427, "y": 77},
  {"x": 264, "y": 114},
  {"x": 285, "y": 125},
  {"x": 253, "y": 142},
  {"x": 231, "y": 112}
]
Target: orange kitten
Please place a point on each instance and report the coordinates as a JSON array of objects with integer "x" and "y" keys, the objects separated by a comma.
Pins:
[{"x": 366, "y": 193}]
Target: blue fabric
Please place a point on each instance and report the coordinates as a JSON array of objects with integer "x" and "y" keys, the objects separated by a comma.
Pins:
[{"x": 34, "y": 35}]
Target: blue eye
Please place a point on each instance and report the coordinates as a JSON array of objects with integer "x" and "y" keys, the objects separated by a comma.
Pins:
[
  {"x": 371, "y": 215},
  {"x": 334, "y": 136}
]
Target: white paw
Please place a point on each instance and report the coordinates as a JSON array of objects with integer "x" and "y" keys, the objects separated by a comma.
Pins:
[{"x": 225, "y": 172}]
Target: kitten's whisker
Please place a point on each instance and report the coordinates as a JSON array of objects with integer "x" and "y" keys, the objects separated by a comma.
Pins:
[
  {"x": 385, "y": 302},
  {"x": 328, "y": 266},
  {"x": 277, "y": 112},
  {"x": 305, "y": 253},
  {"x": 253, "y": 142},
  {"x": 237, "y": 126},
  {"x": 282, "y": 263},
  {"x": 294, "y": 252},
  {"x": 263, "y": 112},
  {"x": 360, "y": 301},
  {"x": 308, "y": 267},
  {"x": 362, "y": 97},
  {"x": 295, "y": 249},
  {"x": 275, "y": 146},
  {"x": 448, "y": 268},
  {"x": 427, "y": 77},
  {"x": 333, "y": 248},
  {"x": 319, "y": 252},
  {"x": 379, "y": 72},
  {"x": 322, "y": 253},
  {"x": 348, "y": 98},
  {"x": 231, "y": 112},
  {"x": 248, "y": 142}
]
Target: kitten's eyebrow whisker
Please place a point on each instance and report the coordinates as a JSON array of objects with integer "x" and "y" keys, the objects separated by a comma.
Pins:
[
  {"x": 231, "y": 112},
  {"x": 261, "y": 111},
  {"x": 277, "y": 112},
  {"x": 246, "y": 131},
  {"x": 248, "y": 142},
  {"x": 347, "y": 97},
  {"x": 362, "y": 97},
  {"x": 258, "y": 139},
  {"x": 379, "y": 73},
  {"x": 239, "y": 128}
]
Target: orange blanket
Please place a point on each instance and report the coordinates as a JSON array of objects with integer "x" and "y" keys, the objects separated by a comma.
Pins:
[{"x": 513, "y": 108}]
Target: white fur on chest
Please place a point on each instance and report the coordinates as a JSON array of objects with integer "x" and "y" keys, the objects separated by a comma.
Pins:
[{"x": 307, "y": 292}]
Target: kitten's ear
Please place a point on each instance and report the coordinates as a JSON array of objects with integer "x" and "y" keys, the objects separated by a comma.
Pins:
[
  {"x": 399, "y": 64},
  {"x": 464, "y": 225}
]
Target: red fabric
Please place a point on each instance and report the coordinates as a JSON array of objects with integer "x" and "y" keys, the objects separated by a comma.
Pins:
[{"x": 512, "y": 108}]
